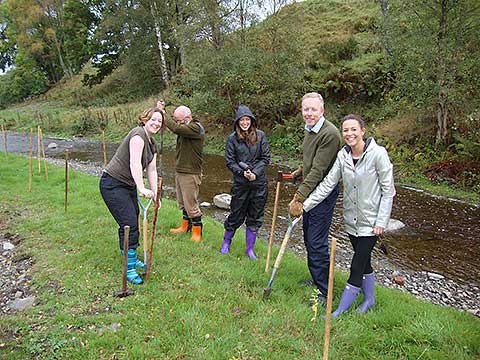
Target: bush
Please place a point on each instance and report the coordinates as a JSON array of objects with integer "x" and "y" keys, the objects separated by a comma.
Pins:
[
  {"x": 287, "y": 136},
  {"x": 22, "y": 82}
]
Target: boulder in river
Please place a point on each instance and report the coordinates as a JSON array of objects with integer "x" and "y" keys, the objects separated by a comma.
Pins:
[{"x": 222, "y": 201}]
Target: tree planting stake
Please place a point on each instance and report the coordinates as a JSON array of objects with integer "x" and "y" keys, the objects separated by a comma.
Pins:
[
  {"x": 30, "y": 172},
  {"x": 43, "y": 154},
  {"x": 38, "y": 151},
  {"x": 328, "y": 315},
  {"x": 156, "y": 206},
  {"x": 274, "y": 220},
  {"x": 66, "y": 179},
  {"x": 104, "y": 149},
  {"x": 4, "y": 132}
]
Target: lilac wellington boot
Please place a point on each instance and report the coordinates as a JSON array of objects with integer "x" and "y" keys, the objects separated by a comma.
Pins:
[
  {"x": 227, "y": 240},
  {"x": 348, "y": 297},
  {"x": 368, "y": 289},
  {"x": 251, "y": 237}
]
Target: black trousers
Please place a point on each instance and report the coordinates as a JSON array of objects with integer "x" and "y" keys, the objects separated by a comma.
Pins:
[
  {"x": 362, "y": 258},
  {"x": 121, "y": 200},
  {"x": 247, "y": 205},
  {"x": 316, "y": 225}
]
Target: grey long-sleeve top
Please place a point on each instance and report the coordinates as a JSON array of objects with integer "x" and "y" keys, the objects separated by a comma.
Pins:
[{"x": 368, "y": 189}]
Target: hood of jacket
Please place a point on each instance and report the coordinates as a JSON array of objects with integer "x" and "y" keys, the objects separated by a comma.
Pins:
[{"x": 242, "y": 111}]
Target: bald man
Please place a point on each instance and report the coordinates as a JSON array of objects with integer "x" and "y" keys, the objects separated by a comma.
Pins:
[{"x": 188, "y": 169}]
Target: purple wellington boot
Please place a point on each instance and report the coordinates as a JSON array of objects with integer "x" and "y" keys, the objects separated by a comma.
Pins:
[
  {"x": 368, "y": 289},
  {"x": 251, "y": 237},
  {"x": 227, "y": 240},
  {"x": 348, "y": 297}
]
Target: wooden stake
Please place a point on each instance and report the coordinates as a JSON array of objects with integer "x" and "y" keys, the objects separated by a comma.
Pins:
[
  {"x": 272, "y": 230},
  {"x": 30, "y": 175},
  {"x": 126, "y": 236},
  {"x": 125, "y": 291},
  {"x": 43, "y": 155},
  {"x": 4, "y": 132},
  {"x": 38, "y": 150},
  {"x": 328, "y": 315},
  {"x": 66, "y": 179},
  {"x": 104, "y": 149}
]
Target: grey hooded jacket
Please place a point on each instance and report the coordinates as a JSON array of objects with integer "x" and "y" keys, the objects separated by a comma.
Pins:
[{"x": 368, "y": 189}]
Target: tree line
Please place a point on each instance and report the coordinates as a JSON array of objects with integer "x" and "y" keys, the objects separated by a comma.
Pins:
[{"x": 388, "y": 54}]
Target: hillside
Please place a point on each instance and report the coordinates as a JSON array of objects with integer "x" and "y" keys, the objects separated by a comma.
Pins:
[{"x": 334, "y": 47}]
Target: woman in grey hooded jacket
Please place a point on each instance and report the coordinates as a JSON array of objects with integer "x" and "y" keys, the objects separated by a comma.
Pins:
[
  {"x": 368, "y": 191},
  {"x": 247, "y": 156}
]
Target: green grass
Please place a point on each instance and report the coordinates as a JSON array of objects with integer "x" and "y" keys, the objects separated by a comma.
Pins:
[
  {"x": 420, "y": 181},
  {"x": 197, "y": 304}
]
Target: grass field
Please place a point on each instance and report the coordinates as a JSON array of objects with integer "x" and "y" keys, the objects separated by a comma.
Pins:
[{"x": 198, "y": 304}]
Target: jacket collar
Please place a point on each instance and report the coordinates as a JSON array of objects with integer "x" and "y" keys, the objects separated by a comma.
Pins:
[
  {"x": 369, "y": 141},
  {"x": 316, "y": 128}
]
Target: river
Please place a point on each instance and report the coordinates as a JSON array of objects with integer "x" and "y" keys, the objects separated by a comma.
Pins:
[{"x": 441, "y": 235}]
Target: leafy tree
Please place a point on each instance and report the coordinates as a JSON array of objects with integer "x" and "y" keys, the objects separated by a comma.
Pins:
[
  {"x": 55, "y": 33},
  {"x": 435, "y": 42},
  {"x": 7, "y": 40},
  {"x": 25, "y": 80},
  {"x": 260, "y": 66}
]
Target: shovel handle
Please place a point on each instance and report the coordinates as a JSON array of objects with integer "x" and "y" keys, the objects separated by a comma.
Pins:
[
  {"x": 285, "y": 242},
  {"x": 144, "y": 207},
  {"x": 145, "y": 240}
]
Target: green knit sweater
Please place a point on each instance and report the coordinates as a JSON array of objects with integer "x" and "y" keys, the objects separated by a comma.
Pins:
[{"x": 319, "y": 153}]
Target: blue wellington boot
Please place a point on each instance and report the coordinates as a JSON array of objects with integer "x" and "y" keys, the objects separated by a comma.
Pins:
[
  {"x": 348, "y": 297},
  {"x": 227, "y": 240},
  {"x": 138, "y": 264},
  {"x": 368, "y": 289},
  {"x": 132, "y": 275},
  {"x": 251, "y": 237}
]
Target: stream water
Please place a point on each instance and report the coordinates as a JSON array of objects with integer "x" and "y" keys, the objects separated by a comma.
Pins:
[{"x": 440, "y": 236}]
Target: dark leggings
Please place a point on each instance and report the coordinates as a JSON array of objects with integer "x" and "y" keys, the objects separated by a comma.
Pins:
[
  {"x": 362, "y": 258},
  {"x": 121, "y": 200}
]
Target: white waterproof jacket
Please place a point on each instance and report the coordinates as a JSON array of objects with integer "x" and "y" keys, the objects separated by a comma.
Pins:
[{"x": 368, "y": 189}]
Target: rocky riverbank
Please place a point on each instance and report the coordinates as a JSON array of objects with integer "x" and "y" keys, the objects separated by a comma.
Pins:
[{"x": 15, "y": 291}]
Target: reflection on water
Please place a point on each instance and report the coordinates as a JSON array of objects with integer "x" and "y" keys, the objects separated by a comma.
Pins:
[{"x": 441, "y": 235}]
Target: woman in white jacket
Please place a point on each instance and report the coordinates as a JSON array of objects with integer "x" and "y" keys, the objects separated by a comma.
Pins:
[{"x": 368, "y": 191}]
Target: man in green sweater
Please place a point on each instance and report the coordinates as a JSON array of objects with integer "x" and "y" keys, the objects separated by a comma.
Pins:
[
  {"x": 188, "y": 169},
  {"x": 320, "y": 147}
]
